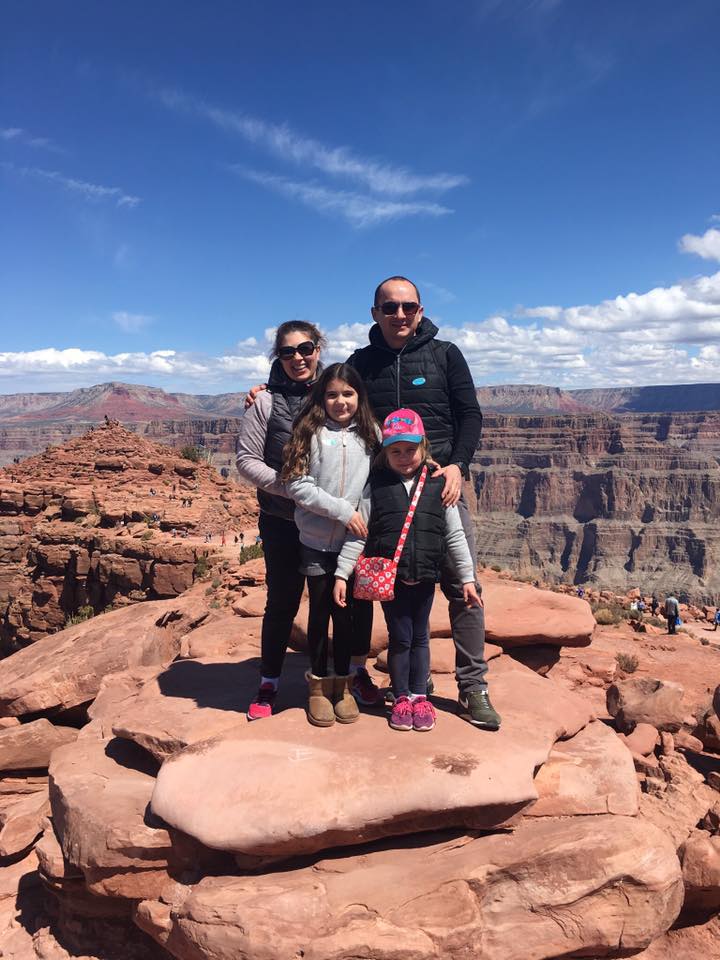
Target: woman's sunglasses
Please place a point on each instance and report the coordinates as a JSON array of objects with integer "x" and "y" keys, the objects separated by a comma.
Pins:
[
  {"x": 305, "y": 349},
  {"x": 390, "y": 307}
]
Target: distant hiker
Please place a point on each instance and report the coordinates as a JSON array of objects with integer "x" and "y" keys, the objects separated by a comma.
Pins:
[
  {"x": 671, "y": 610},
  {"x": 222, "y": 539},
  {"x": 716, "y": 619},
  {"x": 654, "y": 605},
  {"x": 641, "y": 608},
  {"x": 242, "y": 539},
  {"x": 580, "y": 592},
  {"x": 236, "y": 538},
  {"x": 327, "y": 462},
  {"x": 409, "y": 525},
  {"x": 264, "y": 430}
]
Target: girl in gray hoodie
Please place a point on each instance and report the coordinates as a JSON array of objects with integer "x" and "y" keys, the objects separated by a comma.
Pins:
[{"x": 326, "y": 466}]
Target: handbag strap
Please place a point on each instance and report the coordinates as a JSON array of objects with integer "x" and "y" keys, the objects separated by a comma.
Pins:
[{"x": 410, "y": 513}]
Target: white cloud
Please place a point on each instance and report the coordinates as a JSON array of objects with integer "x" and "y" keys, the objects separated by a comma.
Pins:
[
  {"x": 131, "y": 322},
  {"x": 358, "y": 209},
  {"x": 706, "y": 246},
  {"x": 91, "y": 192},
  {"x": 283, "y": 142},
  {"x": 18, "y": 135}
]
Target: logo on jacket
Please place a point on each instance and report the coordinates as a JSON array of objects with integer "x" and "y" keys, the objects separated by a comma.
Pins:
[{"x": 418, "y": 381}]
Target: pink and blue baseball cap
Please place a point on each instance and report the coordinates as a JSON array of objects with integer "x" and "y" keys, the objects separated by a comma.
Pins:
[{"x": 404, "y": 425}]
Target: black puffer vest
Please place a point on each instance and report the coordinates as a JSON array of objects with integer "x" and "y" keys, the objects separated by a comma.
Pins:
[
  {"x": 414, "y": 377},
  {"x": 424, "y": 548},
  {"x": 288, "y": 397}
]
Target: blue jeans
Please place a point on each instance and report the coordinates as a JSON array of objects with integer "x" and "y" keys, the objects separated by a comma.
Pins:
[{"x": 408, "y": 623}]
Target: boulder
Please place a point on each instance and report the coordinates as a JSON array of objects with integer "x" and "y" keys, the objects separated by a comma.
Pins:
[
  {"x": 21, "y": 822},
  {"x": 30, "y": 745},
  {"x": 591, "y": 886},
  {"x": 99, "y": 791},
  {"x": 66, "y": 669},
  {"x": 644, "y": 700},
  {"x": 591, "y": 773},
  {"x": 700, "y": 858},
  {"x": 642, "y": 740},
  {"x": 680, "y": 799},
  {"x": 343, "y": 785},
  {"x": 716, "y": 701},
  {"x": 193, "y": 700},
  {"x": 519, "y": 615}
]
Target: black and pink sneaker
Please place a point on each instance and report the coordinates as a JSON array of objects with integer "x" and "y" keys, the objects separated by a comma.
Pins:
[
  {"x": 423, "y": 714},
  {"x": 362, "y": 687},
  {"x": 262, "y": 705},
  {"x": 401, "y": 717}
]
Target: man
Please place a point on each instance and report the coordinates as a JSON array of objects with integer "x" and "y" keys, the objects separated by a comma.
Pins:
[
  {"x": 405, "y": 365},
  {"x": 671, "y": 610}
]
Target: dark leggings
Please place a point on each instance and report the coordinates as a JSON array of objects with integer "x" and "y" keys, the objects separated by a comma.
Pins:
[
  {"x": 408, "y": 623},
  {"x": 281, "y": 547},
  {"x": 352, "y": 626}
]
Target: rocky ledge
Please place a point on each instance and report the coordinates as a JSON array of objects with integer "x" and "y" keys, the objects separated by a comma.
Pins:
[{"x": 143, "y": 817}]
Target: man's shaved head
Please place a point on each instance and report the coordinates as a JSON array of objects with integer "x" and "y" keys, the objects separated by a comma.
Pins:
[{"x": 376, "y": 298}]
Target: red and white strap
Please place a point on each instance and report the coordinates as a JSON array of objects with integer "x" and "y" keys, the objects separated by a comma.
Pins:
[{"x": 408, "y": 518}]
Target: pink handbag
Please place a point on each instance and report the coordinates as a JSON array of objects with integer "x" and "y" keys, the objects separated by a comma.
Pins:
[{"x": 375, "y": 576}]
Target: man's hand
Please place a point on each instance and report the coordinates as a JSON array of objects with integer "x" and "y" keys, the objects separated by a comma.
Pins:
[
  {"x": 453, "y": 484},
  {"x": 340, "y": 592},
  {"x": 357, "y": 526},
  {"x": 470, "y": 595},
  {"x": 252, "y": 394}
]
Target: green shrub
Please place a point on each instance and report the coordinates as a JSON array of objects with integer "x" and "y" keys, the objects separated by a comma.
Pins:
[
  {"x": 627, "y": 662},
  {"x": 214, "y": 604},
  {"x": 606, "y": 616},
  {"x": 80, "y": 616},
  {"x": 496, "y": 567},
  {"x": 252, "y": 552},
  {"x": 216, "y": 582},
  {"x": 148, "y": 535},
  {"x": 191, "y": 453},
  {"x": 202, "y": 567}
]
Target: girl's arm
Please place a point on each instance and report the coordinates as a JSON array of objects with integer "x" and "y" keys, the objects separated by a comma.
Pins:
[
  {"x": 250, "y": 448},
  {"x": 459, "y": 551},
  {"x": 306, "y": 492},
  {"x": 353, "y": 546}
]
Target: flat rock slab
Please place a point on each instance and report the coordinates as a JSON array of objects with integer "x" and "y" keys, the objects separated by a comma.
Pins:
[
  {"x": 65, "y": 669},
  {"x": 347, "y": 784},
  {"x": 30, "y": 745},
  {"x": 192, "y": 700},
  {"x": 591, "y": 773},
  {"x": 21, "y": 822},
  {"x": 590, "y": 886},
  {"x": 519, "y": 615}
]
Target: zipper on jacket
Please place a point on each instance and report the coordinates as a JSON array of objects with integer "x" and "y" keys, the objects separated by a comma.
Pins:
[
  {"x": 343, "y": 471},
  {"x": 397, "y": 378}
]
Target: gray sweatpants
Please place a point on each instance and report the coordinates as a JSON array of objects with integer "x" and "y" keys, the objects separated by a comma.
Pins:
[{"x": 467, "y": 623}]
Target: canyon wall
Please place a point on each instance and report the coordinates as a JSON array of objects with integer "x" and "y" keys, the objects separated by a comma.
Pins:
[{"x": 615, "y": 501}]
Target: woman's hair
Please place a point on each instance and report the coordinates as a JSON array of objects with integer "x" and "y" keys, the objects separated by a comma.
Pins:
[
  {"x": 296, "y": 454},
  {"x": 296, "y": 326},
  {"x": 381, "y": 461}
]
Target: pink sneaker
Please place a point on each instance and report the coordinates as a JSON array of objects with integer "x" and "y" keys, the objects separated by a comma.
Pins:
[
  {"x": 262, "y": 705},
  {"x": 401, "y": 717},
  {"x": 363, "y": 689},
  {"x": 423, "y": 714}
]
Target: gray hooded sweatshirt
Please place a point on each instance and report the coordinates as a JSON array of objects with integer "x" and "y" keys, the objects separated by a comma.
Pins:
[{"x": 326, "y": 498}]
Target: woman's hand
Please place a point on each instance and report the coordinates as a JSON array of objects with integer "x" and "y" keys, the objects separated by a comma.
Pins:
[
  {"x": 340, "y": 592},
  {"x": 252, "y": 394},
  {"x": 471, "y": 597},
  {"x": 357, "y": 526}
]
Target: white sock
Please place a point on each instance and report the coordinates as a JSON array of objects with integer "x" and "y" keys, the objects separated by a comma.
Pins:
[{"x": 275, "y": 681}]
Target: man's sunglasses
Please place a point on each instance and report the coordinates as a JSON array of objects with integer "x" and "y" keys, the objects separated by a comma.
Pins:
[
  {"x": 390, "y": 307},
  {"x": 306, "y": 349}
]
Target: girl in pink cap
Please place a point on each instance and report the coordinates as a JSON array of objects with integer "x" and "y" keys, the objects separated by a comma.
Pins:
[{"x": 399, "y": 478}]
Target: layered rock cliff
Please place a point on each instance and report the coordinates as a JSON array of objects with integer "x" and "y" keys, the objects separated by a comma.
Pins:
[
  {"x": 107, "y": 518},
  {"x": 618, "y": 501}
]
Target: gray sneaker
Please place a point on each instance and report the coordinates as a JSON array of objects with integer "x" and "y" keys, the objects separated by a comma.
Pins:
[{"x": 476, "y": 708}]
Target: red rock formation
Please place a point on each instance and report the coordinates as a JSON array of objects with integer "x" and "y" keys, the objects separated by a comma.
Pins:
[{"x": 101, "y": 521}]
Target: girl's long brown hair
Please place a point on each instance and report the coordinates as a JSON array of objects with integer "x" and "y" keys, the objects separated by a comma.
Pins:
[{"x": 296, "y": 453}]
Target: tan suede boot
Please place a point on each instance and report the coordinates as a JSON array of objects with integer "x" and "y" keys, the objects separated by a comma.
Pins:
[
  {"x": 320, "y": 704},
  {"x": 346, "y": 709}
]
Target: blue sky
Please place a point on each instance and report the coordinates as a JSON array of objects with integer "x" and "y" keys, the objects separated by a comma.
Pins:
[{"x": 178, "y": 178}]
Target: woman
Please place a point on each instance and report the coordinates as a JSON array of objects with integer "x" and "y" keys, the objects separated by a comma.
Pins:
[{"x": 264, "y": 430}]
